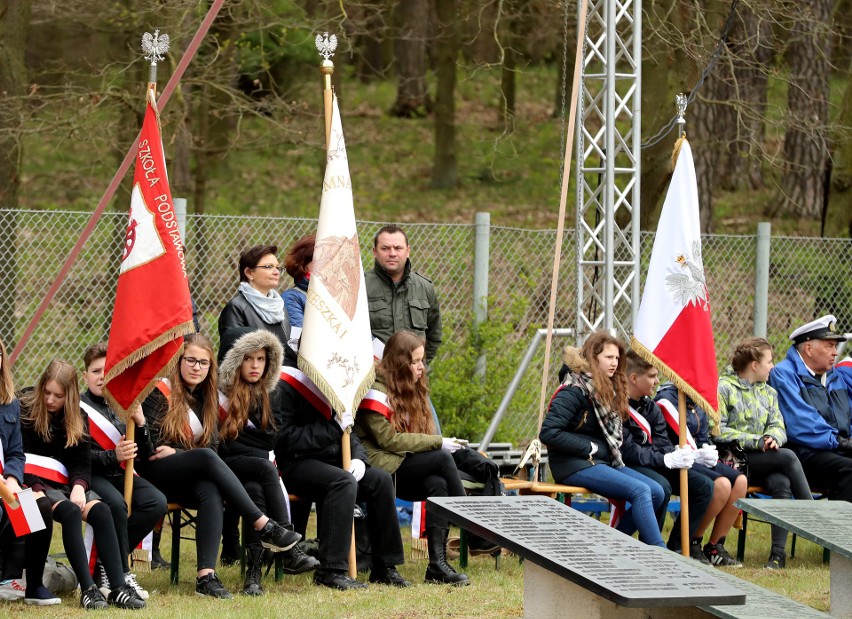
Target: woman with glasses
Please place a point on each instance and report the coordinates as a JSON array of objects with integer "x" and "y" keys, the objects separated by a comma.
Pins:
[
  {"x": 182, "y": 416},
  {"x": 257, "y": 303},
  {"x": 56, "y": 442}
]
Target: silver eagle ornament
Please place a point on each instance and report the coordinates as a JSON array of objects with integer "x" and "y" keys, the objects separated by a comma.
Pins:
[
  {"x": 326, "y": 44},
  {"x": 155, "y": 46}
]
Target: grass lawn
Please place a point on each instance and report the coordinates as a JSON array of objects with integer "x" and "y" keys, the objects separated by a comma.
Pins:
[{"x": 493, "y": 594}]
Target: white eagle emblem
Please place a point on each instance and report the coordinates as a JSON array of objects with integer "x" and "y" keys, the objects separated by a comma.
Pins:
[
  {"x": 689, "y": 287},
  {"x": 326, "y": 44},
  {"x": 155, "y": 46}
]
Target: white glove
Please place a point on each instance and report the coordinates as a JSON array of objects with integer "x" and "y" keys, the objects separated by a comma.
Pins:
[
  {"x": 680, "y": 458},
  {"x": 707, "y": 455},
  {"x": 593, "y": 450},
  {"x": 450, "y": 444},
  {"x": 345, "y": 420},
  {"x": 357, "y": 468}
]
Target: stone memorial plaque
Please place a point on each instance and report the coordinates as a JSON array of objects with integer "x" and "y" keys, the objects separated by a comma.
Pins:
[
  {"x": 760, "y": 603},
  {"x": 827, "y": 523},
  {"x": 587, "y": 552}
]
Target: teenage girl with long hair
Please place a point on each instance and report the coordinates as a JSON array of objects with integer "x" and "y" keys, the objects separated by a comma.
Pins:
[
  {"x": 182, "y": 413},
  {"x": 54, "y": 431},
  {"x": 396, "y": 428},
  {"x": 583, "y": 433},
  {"x": 248, "y": 430}
]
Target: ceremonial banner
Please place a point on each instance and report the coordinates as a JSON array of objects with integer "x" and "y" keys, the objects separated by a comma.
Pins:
[
  {"x": 673, "y": 329},
  {"x": 336, "y": 350},
  {"x": 152, "y": 306}
]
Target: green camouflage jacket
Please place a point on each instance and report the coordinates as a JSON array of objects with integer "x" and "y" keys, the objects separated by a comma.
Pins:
[{"x": 749, "y": 412}]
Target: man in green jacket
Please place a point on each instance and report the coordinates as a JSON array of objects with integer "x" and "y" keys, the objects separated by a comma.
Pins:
[{"x": 399, "y": 297}]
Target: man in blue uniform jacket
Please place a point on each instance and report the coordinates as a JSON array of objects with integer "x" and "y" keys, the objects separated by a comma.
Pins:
[{"x": 816, "y": 409}]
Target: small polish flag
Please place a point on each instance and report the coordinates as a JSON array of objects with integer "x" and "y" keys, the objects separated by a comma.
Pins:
[
  {"x": 26, "y": 517},
  {"x": 418, "y": 520}
]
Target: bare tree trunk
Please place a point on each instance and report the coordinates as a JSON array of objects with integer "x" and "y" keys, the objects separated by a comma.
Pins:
[
  {"x": 445, "y": 174},
  {"x": 806, "y": 141},
  {"x": 14, "y": 24},
  {"x": 839, "y": 215},
  {"x": 753, "y": 58},
  {"x": 412, "y": 95}
]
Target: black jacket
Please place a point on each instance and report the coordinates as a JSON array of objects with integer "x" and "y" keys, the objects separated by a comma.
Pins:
[
  {"x": 77, "y": 459},
  {"x": 155, "y": 406},
  {"x": 569, "y": 429},
  {"x": 103, "y": 461},
  {"x": 640, "y": 451},
  {"x": 306, "y": 434},
  {"x": 238, "y": 312}
]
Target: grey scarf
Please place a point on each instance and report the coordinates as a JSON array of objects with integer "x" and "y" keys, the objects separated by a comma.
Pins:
[{"x": 270, "y": 308}]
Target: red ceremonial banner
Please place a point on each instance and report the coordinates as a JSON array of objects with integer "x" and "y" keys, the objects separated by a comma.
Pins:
[{"x": 152, "y": 304}]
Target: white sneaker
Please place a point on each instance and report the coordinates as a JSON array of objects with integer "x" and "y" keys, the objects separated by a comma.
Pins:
[
  {"x": 13, "y": 589},
  {"x": 130, "y": 581}
]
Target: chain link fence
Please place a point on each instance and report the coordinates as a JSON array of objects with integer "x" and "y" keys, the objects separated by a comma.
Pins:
[{"x": 808, "y": 277}]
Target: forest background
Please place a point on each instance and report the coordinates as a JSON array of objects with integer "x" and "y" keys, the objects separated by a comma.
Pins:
[{"x": 449, "y": 106}]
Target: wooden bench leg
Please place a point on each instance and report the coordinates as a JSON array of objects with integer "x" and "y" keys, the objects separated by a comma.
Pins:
[{"x": 741, "y": 538}]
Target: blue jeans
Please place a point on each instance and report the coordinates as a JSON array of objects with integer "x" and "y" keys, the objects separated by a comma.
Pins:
[{"x": 644, "y": 495}]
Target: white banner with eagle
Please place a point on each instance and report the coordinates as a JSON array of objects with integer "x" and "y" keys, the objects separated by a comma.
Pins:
[{"x": 336, "y": 349}]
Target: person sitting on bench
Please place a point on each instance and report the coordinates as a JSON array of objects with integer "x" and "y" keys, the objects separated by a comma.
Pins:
[
  {"x": 749, "y": 415},
  {"x": 653, "y": 454},
  {"x": 583, "y": 432}
]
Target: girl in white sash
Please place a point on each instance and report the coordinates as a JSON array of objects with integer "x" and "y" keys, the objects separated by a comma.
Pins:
[
  {"x": 54, "y": 433},
  {"x": 395, "y": 425},
  {"x": 248, "y": 378},
  {"x": 182, "y": 416},
  {"x": 36, "y": 545}
]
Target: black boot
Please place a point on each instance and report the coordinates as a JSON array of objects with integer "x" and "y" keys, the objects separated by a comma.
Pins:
[
  {"x": 157, "y": 560},
  {"x": 439, "y": 571},
  {"x": 254, "y": 566},
  {"x": 295, "y": 561}
]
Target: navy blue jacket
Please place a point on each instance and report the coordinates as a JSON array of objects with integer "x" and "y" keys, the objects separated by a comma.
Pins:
[
  {"x": 569, "y": 429},
  {"x": 10, "y": 437},
  {"x": 643, "y": 452}
]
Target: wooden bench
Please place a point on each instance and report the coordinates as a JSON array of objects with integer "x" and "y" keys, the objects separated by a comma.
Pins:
[
  {"x": 827, "y": 523},
  {"x": 578, "y": 566}
]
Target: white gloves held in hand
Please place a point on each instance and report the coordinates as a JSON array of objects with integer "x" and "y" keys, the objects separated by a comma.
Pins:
[
  {"x": 357, "y": 468},
  {"x": 680, "y": 458},
  {"x": 450, "y": 444},
  {"x": 707, "y": 455}
]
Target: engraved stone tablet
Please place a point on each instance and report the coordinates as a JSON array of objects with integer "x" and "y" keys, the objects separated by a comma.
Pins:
[
  {"x": 587, "y": 552},
  {"x": 827, "y": 523}
]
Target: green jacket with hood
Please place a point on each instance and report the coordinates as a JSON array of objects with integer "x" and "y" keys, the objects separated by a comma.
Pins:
[{"x": 749, "y": 411}]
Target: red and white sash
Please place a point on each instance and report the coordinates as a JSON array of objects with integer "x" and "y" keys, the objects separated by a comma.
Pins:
[
  {"x": 643, "y": 423},
  {"x": 2, "y": 458},
  {"x": 307, "y": 389},
  {"x": 194, "y": 422},
  {"x": 225, "y": 406},
  {"x": 673, "y": 419},
  {"x": 378, "y": 402},
  {"x": 100, "y": 428},
  {"x": 46, "y": 468}
]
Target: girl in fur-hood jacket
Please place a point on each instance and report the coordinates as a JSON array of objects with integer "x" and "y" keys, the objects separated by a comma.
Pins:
[
  {"x": 248, "y": 429},
  {"x": 583, "y": 434}
]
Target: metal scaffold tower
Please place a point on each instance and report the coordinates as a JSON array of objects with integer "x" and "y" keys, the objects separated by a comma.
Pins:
[{"x": 608, "y": 142}]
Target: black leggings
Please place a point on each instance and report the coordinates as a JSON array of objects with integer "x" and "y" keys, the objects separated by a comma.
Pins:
[
  {"x": 99, "y": 518},
  {"x": 198, "y": 479},
  {"x": 148, "y": 506},
  {"x": 260, "y": 479},
  {"x": 429, "y": 473}
]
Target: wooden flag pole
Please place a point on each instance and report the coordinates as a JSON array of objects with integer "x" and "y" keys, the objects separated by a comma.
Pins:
[
  {"x": 560, "y": 227},
  {"x": 326, "y": 44},
  {"x": 684, "y": 488}
]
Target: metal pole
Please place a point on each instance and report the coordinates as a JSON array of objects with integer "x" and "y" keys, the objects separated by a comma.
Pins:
[
  {"x": 180, "y": 213},
  {"x": 761, "y": 278},
  {"x": 516, "y": 381},
  {"x": 481, "y": 253}
]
